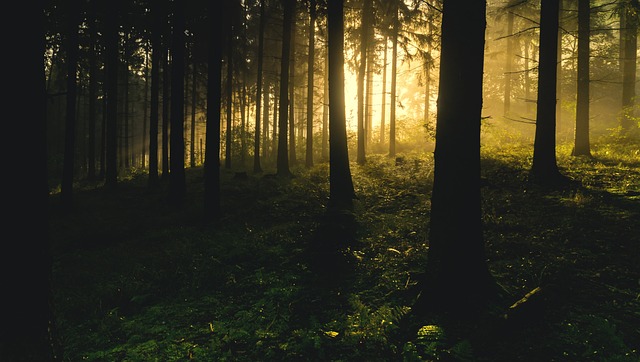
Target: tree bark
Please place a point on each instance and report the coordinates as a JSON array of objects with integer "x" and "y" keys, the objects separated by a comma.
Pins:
[
  {"x": 310, "y": 84},
  {"x": 282, "y": 164},
  {"x": 581, "y": 146}
]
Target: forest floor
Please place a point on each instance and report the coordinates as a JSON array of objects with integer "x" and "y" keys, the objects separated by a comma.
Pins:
[{"x": 135, "y": 280}]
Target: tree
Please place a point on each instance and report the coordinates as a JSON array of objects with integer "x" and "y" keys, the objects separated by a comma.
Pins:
[
  {"x": 310, "y": 85},
  {"x": 631, "y": 14},
  {"x": 457, "y": 277},
  {"x": 283, "y": 158},
  {"x": 256, "y": 143},
  {"x": 292, "y": 86},
  {"x": 156, "y": 55},
  {"x": 214, "y": 100},
  {"x": 545, "y": 168},
  {"x": 72, "y": 42},
  {"x": 581, "y": 147},
  {"x": 394, "y": 67},
  {"x": 111, "y": 45},
  {"x": 177, "y": 181},
  {"x": 364, "y": 30},
  {"x": 341, "y": 192},
  {"x": 27, "y": 320}
]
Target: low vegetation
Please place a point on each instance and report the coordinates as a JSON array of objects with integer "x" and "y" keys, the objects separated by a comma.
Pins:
[{"x": 136, "y": 281}]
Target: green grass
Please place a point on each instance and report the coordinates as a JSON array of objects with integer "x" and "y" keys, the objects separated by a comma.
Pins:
[{"x": 137, "y": 281}]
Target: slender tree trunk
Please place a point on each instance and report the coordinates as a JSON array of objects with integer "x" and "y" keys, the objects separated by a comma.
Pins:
[
  {"x": 72, "y": 43},
  {"x": 292, "y": 85},
  {"x": 508, "y": 63},
  {"x": 214, "y": 100},
  {"x": 125, "y": 87},
  {"x": 177, "y": 181},
  {"x": 156, "y": 56},
  {"x": 93, "y": 93},
  {"x": 581, "y": 147},
  {"x": 341, "y": 192},
  {"x": 228, "y": 140},
  {"x": 394, "y": 65},
  {"x": 166, "y": 107},
  {"x": 630, "y": 66},
  {"x": 111, "y": 48},
  {"x": 310, "y": 84},
  {"x": 256, "y": 143},
  {"x": 559, "y": 76},
  {"x": 194, "y": 100},
  {"x": 544, "y": 168},
  {"x": 325, "y": 110},
  {"x": 384, "y": 91},
  {"x": 265, "y": 120},
  {"x": 145, "y": 107},
  {"x": 362, "y": 68},
  {"x": 282, "y": 164},
  {"x": 368, "y": 107}
]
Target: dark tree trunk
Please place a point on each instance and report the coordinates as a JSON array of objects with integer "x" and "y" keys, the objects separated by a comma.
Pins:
[
  {"x": 292, "y": 86},
  {"x": 325, "y": 110},
  {"x": 194, "y": 100},
  {"x": 229, "y": 94},
  {"x": 310, "y": 84},
  {"x": 394, "y": 67},
  {"x": 581, "y": 147},
  {"x": 362, "y": 68},
  {"x": 256, "y": 142},
  {"x": 341, "y": 192},
  {"x": 283, "y": 157},
  {"x": 145, "y": 106},
  {"x": 545, "y": 168},
  {"x": 384, "y": 91},
  {"x": 508, "y": 62},
  {"x": 111, "y": 48},
  {"x": 177, "y": 182},
  {"x": 166, "y": 106},
  {"x": 72, "y": 42},
  {"x": 265, "y": 120},
  {"x": 214, "y": 100},
  {"x": 25, "y": 268},
  {"x": 93, "y": 93},
  {"x": 629, "y": 66},
  {"x": 457, "y": 278},
  {"x": 156, "y": 55}
]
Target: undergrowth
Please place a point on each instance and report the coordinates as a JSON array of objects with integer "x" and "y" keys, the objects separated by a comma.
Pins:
[{"x": 135, "y": 280}]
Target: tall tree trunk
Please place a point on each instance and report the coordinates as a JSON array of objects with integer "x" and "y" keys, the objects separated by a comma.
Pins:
[
  {"x": 72, "y": 43},
  {"x": 292, "y": 86},
  {"x": 384, "y": 91},
  {"x": 228, "y": 140},
  {"x": 214, "y": 100},
  {"x": 544, "y": 168},
  {"x": 362, "y": 68},
  {"x": 282, "y": 164},
  {"x": 93, "y": 93},
  {"x": 156, "y": 55},
  {"x": 325, "y": 110},
  {"x": 111, "y": 48},
  {"x": 630, "y": 61},
  {"x": 265, "y": 120},
  {"x": 581, "y": 147},
  {"x": 256, "y": 142},
  {"x": 194, "y": 100},
  {"x": 145, "y": 106},
  {"x": 508, "y": 62},
  {"x": 559, "y": 123},
  {"x": 341, "y": 192},
  {"x": 394, "y": 71},
  {"x": 368, "y": 93},
  {"x": 177, "y": 181},
  {"x": 457, "y": 276},
  {"x": 310, "y": 84},
  {"x": 125, "y": 87},
  {"x": 166, "y": 107}
]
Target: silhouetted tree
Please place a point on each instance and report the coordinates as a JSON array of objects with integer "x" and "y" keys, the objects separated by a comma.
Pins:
[
  {"x": 581, "y": 147},
  {"x": 545, "y": 168},
  {"x": 631, "y": 15},
  {"x": 214, "y": 99},
  {"x": 341, "y": 192},
  {"x": 112, "y": 63},
  {"x": 156, "y": 55},
  {"x": 282, "y": 164},
  {"x": 177, "y": 181},
  {"x": 310, "y": 83},
  {"x": 256, "y": 142},
  {"x": 457, "y": 276},
  {"x": 72, "y": 42}
]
